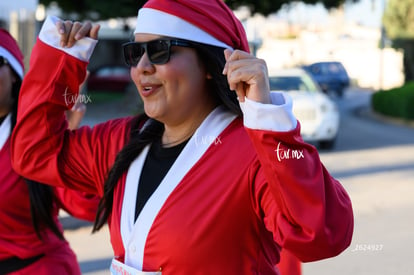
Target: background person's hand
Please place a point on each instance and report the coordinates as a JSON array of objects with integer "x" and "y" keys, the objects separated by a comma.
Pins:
[
  {"x": 247, "y": 76},
  {"x": 73, "y": 31},
  {"x": 75, "y": 115}
]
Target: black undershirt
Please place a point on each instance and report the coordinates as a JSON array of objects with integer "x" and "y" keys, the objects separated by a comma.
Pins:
[{"x": 159, "y": 160}]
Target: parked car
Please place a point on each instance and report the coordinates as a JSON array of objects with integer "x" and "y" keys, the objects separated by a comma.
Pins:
[
  {"x": 317, "y": 113},
  {"x": 109, "y": 78},
  {"x": 330, "y": 75}
]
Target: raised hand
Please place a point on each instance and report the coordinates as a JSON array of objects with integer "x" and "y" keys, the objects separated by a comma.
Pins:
[
  {"x": 72, "y": 31},
  {"x": 247, "y": 76}
]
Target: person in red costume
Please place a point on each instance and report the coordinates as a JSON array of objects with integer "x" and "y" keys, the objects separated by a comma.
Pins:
[
  {"x": 213, "y": 177},
  {"x": 289, "y": 264},
  {"x": 31, "y": 236}
]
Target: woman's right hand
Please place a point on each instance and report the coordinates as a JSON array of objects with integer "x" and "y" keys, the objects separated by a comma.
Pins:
[{"x": 72, "y": 31}]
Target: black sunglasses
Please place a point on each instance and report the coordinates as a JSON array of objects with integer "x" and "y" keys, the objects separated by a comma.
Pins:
[
  {"x": 3, "y": 61},
  {"x": 158, "y": 51}
]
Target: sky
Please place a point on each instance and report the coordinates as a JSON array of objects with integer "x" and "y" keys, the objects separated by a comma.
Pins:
[
  {"x": 367, "y": 12},
  {"x": 16, "y": 5},
  {"x": 364, "y": 12}
]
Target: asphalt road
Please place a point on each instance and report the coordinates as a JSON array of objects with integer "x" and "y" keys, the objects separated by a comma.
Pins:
[{"x": 373, "y": 159}]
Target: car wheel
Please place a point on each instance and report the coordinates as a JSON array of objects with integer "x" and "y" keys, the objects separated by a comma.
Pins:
[{"x": 327, "y": 144}]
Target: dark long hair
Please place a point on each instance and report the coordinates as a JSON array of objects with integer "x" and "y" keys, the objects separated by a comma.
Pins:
[
  {"x": 41, "y": 195},
  {"x": 145, "y": 130}
]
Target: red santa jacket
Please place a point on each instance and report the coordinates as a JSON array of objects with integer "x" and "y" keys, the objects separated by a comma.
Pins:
[
  {"x": 238, "y": 192},
  {"x": 18, "y": 237}
]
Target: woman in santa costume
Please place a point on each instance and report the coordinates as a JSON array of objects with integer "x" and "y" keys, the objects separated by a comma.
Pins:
[
  {"x": 214, "y": 177},
  {"x": 31, "y": 237}
]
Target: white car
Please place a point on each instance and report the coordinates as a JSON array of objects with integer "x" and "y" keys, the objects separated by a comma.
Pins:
[{"x": 317, "y": 113}]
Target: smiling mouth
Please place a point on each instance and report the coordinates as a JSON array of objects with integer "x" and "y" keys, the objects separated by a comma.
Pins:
[{"x": 149, "y": 90}]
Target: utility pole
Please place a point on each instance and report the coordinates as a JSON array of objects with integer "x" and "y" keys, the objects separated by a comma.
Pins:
[{"x": 382, "y": 46}]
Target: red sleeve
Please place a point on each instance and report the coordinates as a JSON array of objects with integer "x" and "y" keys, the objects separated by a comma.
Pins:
[
  {"x": 308, "y": 211},
  {"x": 43, "y": 149},
  {"x": 289, "y": 264},
  {"x": 78, "y": 204}
]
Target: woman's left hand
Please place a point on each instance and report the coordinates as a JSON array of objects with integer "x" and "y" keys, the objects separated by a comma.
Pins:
[
  {"x": 247, "y": 76},
  {"x": 70, "y": 31}
]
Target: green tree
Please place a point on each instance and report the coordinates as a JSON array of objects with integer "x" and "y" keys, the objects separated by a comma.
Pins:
[
  {"x": 398, "y": 22},
  {"x": 399, "y": 19},
  {"x": 103, "y": 9},
  {"x": 97, "y": 9}
]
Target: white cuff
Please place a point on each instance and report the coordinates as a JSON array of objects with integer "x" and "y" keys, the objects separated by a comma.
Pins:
[
  {"x": 277, "y": 116},
  {"x": 49, "y": 34}
]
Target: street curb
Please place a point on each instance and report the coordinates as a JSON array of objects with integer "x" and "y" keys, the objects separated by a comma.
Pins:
[{"x": 368, "y": 112}]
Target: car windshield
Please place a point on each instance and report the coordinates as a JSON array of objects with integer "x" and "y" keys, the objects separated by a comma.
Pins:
[
  {"x": 292, "y": 83},
  {"x": 328, "y": 68},
  {"x": 112, "y": 71}
]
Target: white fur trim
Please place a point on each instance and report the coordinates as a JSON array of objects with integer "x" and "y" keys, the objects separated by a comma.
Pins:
[
  {"x": 277, "y": 116},
  {"x": 49, "y": 34},
  {"x": 161, "y": 23},
  {"x": 5, "y": 129},
  {"x": 12, "y": 60},
  {"x": 134, "y": 235}
]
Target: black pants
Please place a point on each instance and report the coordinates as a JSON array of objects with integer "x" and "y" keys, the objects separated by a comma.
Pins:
[{"x": 15, "y": 263}]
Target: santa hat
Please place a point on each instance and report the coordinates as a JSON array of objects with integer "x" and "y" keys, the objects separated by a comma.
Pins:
[
  {"x": 205, "y": 21},
  {"x": 10, "y": 50}
]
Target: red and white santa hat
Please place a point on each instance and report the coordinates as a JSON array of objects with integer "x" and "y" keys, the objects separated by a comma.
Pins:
[
  {"x": 205, "y": 21},
  {"x": 10, "y": 50}
]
